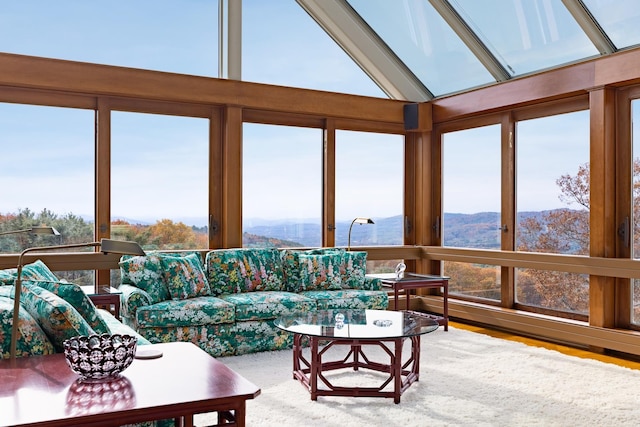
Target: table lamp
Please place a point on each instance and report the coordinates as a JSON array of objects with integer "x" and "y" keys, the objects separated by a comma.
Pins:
[
  {"x": 107, "y": 246},
  {"x": 358, "y": 220}
]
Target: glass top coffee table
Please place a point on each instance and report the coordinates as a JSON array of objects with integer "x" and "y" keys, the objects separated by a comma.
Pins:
[{"x": 357, "y": 330}]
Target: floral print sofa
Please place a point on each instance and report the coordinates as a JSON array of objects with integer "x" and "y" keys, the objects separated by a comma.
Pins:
[
  {"x": 51, "y": 311},
  {"x": 226, "y": 302}
]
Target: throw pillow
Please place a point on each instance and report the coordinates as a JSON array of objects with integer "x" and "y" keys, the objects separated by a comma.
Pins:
[
  {"x": 57, "y": 318},
  {"x": 74, "y": 295},
  {"x": 144, "y": 272},
  {"x": 37, "y": 270},
  {"x": 244, "y": 270},
  {"x": 31, "y": 339},
  {"x": 353, "y": 269},
  {"x": 184, "y": 276},
  {"x": 320, "y": 272}
]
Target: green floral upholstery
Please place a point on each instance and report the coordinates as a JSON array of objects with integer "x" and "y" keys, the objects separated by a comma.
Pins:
[
  {"x": 268, "y": 305},
  {"x": 144, "y": 272},
  {"x": 117, "y": 327},
  {"x": 211, "y": 338},
  {"x": 252, "y": 287},
  {"x": 234, "y": 271},
  {"x": 58, "y": 318},
  {"x": 353, "y": 269},
  {"x": 31, "y": 338},
  {"x": 193, "y": 311},
  {"x": 184, "y": 276},
  {"x": 320, "y": 272},
  {"x": 75, "y": 296},
  {"x": 349, "y": 299},
  {"x": 254, "y": 336},
  {"x": 37, "y": 270}
]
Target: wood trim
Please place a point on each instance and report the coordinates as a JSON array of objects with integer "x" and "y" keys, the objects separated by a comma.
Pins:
[
  {"x": 508, "y": 205},
  {"x": 231, "y": 221},
  {"x": 102, "y": 214},
  {"x": 77, "y": 78},
  {"x": 216, "y": 176},
  {"x": 602, "y": 235},
  {"x": 329, "y": 184}
]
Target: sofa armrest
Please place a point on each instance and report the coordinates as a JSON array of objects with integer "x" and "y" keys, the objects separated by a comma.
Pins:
[
  {"x": 372, "y": 284},
  {"x": 132, "y": 298}
]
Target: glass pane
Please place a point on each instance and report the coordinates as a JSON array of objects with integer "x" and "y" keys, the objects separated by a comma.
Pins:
[
  {"x": 159, "y": 190},
  {"x": 635, "y": 108},
  {"x": 282, "y": 45},
  {"x": 282, "y": 186},
  {"x": 166, "y": 35},
  {"x": 471, "y": 206},
  {"x": 425, "y": 43},
  {"x": 553, "y": 206},
  {"x": 369, "y": 184},
  {"x": 46, "y": 171},
  {"x": 620, "y": 19},
  {"x": 529, "y": 35}
]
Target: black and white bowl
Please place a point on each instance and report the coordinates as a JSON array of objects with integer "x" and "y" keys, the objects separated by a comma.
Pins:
[{"x": 98, "y": 357}]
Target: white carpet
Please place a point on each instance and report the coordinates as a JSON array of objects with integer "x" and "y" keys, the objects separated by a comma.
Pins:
[{"x": 466, "y": 379}]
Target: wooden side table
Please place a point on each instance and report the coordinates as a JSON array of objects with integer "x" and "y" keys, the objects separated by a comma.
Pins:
[
  {"x": 417, "y": 281},
  {"x": 110, "y": 300}
]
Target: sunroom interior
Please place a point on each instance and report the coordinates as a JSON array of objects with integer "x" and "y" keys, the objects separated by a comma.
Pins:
[{"x": 475, "y": 110}]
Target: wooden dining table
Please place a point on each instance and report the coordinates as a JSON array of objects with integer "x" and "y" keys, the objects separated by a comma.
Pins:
[{"x": 182, "y": 382}]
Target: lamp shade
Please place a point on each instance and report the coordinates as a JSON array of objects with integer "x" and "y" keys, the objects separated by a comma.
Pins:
[
  {"x": 107, "y": 246},
  {"x": 34, "y": 230},
  {"x": 359, "y": 220}
]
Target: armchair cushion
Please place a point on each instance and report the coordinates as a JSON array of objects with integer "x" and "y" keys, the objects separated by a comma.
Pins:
[
  {"x": 184, "y": 276},
  {"x": 75, "y": 296},
  {"x": 31, "y": 338},
  {"x": 58, "y": 319},
  {"x": 37, "y": 270}
]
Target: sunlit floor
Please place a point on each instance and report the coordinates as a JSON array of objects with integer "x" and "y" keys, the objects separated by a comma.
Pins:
[{"x": 549, "y": 345}]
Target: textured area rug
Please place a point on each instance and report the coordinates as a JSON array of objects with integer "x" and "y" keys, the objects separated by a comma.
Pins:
[{"x": 466, "y": 379}]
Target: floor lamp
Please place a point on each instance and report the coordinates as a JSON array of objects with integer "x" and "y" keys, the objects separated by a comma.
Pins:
[
  {"x": 107, "y": 246},
  {"x": 360, "y": 221}
]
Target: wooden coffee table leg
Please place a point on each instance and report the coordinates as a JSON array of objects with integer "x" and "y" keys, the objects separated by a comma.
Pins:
[{"x": 316, "y": 364}]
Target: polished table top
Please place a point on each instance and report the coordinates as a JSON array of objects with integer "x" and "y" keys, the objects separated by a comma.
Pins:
[
  {"x": 43, "y": 389},
  {"x": 358, "y": 324}
]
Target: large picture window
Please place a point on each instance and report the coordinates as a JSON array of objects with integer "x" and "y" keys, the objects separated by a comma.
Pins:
[
  {"x": 471, "y": 206},
  {"x": 281, "y": 186},
  {"x": 553, "y": 207},
  {"x": 159, "y": 188}
]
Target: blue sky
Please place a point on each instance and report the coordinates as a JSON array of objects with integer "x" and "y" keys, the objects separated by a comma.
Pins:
[{"x": 282, "y": 45}]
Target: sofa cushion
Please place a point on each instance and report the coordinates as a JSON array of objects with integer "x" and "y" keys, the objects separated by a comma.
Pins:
[
  {"x": 144, "y": 272},
  {"x": 291, "y": 269},
  {"x": 57, "y": 318},
  {"x": 75, "y": 296},
  {"x": 268, "y": 305},
  {"x": 184, "y": 276},
  {"x": 37, "y": 270},
  {"x": 244, "y": 270},
  {"x": 349, "y": 299},
  {"x": 353, "y": 269},
  {"x": 207, "y": 310},
  {"x": 31, "y": 338},
  {"x": 320, "y": 272}
]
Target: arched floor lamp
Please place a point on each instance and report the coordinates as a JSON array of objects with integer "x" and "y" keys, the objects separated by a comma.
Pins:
[{"x": 358, "y": 220}]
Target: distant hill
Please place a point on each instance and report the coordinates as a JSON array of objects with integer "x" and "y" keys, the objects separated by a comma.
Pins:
[{"x": 477, "y": 230}]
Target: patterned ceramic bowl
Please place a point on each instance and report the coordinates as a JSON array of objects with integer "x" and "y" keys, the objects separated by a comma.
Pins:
[{"x": 97, "y": 357}]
